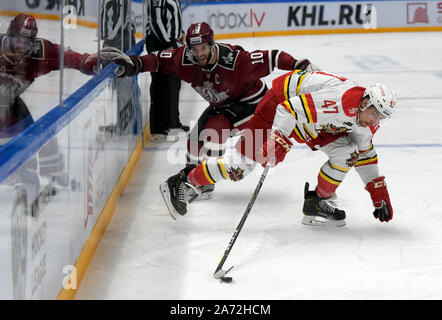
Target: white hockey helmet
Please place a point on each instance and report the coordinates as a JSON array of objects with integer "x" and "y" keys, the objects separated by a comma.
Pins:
[{"x": 382, "y": 98}]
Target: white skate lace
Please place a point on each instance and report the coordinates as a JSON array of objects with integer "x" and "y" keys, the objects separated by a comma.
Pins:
[
  {"x": 182, "y": 192},
  {"x": 326, "y": 207}
]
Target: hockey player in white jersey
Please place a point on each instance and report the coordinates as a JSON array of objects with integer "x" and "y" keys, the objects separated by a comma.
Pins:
[{"x": 328, "y": 113}]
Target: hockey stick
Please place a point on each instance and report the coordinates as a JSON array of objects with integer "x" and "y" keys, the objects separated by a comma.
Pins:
[{"x": 219, "y": 273}]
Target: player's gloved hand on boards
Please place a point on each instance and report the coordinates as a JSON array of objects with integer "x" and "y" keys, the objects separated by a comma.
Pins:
[
  {"x": 275, "y": 148},
  {"x": 88, "y": 62},
  {"x": 305, "y": 65},
  {"x": 128, "y": 65},
  {"x": 381, "y": 200}
]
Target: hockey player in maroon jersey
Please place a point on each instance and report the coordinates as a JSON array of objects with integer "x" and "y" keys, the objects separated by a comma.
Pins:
[
  {"x": 23, "y": 58},
  {"x": 325, "y": 111},
  {"x": 226, "y": 76}
]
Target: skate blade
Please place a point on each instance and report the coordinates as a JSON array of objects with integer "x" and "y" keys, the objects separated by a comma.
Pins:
[
  {"x": 321, "y": 222},
  {"x": 164, "y": 189}
]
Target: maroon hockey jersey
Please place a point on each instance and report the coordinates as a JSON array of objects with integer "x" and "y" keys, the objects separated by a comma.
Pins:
[
  {"x": 235, "y": 76},
  {"x": 15, "y": 78}
]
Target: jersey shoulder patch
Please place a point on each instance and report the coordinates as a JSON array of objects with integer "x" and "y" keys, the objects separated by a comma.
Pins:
[
  {"x": 227, "y": 57},
  {"x": 187, "y": 54},
  {"x": 351, "y": 100},
  {"x": 38, "y": 51}
]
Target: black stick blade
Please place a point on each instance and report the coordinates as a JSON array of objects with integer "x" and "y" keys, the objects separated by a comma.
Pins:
[{"x": 220, "y": 274}]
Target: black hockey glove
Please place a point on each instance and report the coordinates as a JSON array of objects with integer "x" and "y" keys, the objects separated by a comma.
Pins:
[
  {"x": 129, "y": 68},
  {"x": 305, "y": 65},
  {"x": 383, "y": 213},
  {"x": 128, "y": 65}
]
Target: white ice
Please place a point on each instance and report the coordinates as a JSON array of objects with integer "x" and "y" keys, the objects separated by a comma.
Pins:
[{"x": 144, "y": 254}]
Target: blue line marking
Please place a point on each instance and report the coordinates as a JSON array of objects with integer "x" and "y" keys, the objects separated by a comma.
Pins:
[{"x": 410, "y": 145}]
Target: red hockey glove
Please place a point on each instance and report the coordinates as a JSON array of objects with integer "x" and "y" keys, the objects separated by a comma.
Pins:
[
  {"x": 381, "y": 200},
  {"x": 275, "y": 148},
  {"x": 88, "y": 64}
]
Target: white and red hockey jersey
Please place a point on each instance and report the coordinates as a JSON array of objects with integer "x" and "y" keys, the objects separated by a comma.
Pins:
[{"x": 317, "y": 107}]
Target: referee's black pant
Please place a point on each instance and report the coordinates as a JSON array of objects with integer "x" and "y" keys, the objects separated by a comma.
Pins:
[{"x": 164, "y": 95}]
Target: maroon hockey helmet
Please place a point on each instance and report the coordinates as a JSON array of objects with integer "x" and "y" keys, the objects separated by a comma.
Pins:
[
  {"x": 21, "y": 34},
  {"x": 23, "y": 25},
  {"x": 199, "y": 33}
]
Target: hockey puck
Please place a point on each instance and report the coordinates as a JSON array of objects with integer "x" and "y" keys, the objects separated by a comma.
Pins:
[{"x": 226, "y": 279}]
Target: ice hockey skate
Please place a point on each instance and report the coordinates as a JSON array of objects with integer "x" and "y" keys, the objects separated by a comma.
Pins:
[
  {"x": 321, "y": 212},
  {"x": 175, "y": 192}
]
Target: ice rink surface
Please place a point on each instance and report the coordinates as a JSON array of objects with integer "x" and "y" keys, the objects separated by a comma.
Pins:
[{"x": 144, "y": 254}]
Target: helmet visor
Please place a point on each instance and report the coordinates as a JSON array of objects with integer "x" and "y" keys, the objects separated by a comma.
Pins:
[
  {"x": 18, "y": 44},
  {"x": 376, "y": 114}
]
